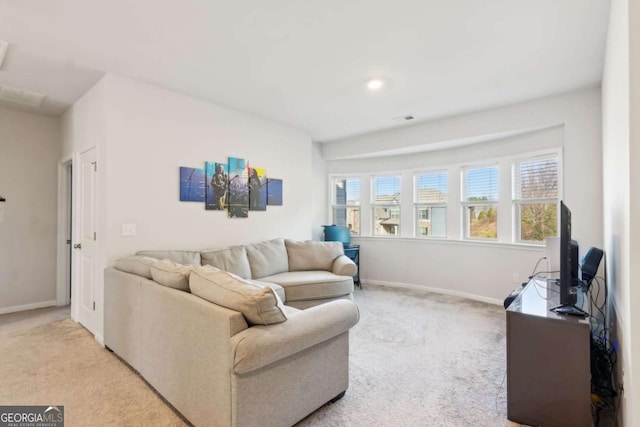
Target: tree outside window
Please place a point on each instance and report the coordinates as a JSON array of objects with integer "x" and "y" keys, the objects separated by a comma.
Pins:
[
  {"x": 480, "y": 202},
  {"x": 535, "y": 198}
]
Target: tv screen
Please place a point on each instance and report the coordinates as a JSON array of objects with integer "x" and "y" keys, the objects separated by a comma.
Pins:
[{"x": 568, "y": 267}]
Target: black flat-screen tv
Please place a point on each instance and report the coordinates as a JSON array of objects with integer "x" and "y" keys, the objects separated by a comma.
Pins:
[{"x": 569, "y": 280}]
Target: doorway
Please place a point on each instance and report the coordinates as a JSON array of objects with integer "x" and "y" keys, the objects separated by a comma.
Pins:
[{"x": 65, "y": 227}]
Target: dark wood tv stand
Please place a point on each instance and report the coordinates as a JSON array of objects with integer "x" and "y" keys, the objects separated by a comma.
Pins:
[{"x": 548, "y": 360}]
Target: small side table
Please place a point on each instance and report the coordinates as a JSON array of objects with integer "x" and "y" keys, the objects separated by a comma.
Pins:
[{"x": 353, "y": 252}]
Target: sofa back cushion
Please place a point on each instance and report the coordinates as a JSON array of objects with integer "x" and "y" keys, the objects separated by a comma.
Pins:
[
  {"x": 312, "y": 255},
  {"x": 181, "y": 257},
  {"x": 136, "y": 264},
  {"x": 267, "y": 258},
  {"x": 172, "y": 274},
  {"x": 233, "y": 259},
  {"x": 260, "y": 305}
]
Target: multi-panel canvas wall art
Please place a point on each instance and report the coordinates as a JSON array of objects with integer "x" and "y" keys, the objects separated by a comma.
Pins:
[
  {"x": 233, "y": 186},
  {"x": 191, "y": 184}
]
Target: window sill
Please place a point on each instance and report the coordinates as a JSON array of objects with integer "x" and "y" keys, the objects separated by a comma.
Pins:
[{"x": 443, "y": 241}]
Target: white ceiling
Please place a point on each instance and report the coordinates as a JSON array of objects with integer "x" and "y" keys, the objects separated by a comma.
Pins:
[{"x": 305, "y": 63}]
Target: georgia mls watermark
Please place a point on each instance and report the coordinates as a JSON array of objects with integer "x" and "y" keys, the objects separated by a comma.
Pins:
[{"x": 32, "y": 416}]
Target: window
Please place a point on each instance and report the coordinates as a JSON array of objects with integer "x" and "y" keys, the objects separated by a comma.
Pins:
[
  {"x": 346, "y": 203},
  {"x": 480, "y": 202},
  {"x": 431, "y": 204},
  {"x": 385, "y": 204},
  {"x": 535, "y": 198}
]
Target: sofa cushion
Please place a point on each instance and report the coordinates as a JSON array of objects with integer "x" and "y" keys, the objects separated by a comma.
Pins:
[
  {"x": 267, "y": 258},
  {"x": 279, "y": 290},
  {"x": 172, "y": 274},
  {"x": 181, "y": 257},
  {"x": 312, "y": 255},
  {"x": 260, "y": 305},
  {"x": 136, "y": 264},
  {"x": 305, "y": 285},
  {"x": 234, "y": 260}
]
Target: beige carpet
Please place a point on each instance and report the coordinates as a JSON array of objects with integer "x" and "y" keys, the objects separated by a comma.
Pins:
[
  {"x": 417, "y": 359},
  {"x": 60, "y": 363},
  {"x": 422, "y": 359}
]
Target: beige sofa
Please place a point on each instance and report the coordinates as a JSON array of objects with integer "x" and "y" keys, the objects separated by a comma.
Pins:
[
  {"x": 212, "y": 364},
  {"x": 309, "y": 272}
]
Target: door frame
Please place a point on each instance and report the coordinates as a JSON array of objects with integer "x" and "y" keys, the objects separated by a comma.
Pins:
[{"x": 66, "y": 189}]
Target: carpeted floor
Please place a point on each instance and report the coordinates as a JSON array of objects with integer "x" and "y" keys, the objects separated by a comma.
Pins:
[
  {"x": 422, "y": 359},
  {"x": 417, "y": 359}
]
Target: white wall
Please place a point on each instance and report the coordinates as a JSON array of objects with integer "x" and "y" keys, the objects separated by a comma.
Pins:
[
  {"x": 152, "y": 132},
  {"x": 29, "y": 151},
  {"x": 144, "y": 134},
  {"x": 570, "y": 121},
  {"x": 621, "y": 158},
  {"x": 320, "y": 197}
]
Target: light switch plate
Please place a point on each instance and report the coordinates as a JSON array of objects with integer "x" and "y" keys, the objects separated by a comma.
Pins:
[{"x": 128, "y": 230}]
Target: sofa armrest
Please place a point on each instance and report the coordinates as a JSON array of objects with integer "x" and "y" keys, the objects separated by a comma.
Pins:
[
  {"x": 344, "y": 266},
  {"x": 259, "y": 346}
]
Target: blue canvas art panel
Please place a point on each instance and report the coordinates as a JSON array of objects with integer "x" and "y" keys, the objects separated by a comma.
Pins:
[
  {"x": 192, "y": 188},
  {"x": 217, "y": 183},
  {"x": 274, "y": 192},
  {"x": 238, "y": 188},
  {"x": 257, "y": 189},
  {"x": 209, "y": 203},
  {"x": 218, "y": 186}
]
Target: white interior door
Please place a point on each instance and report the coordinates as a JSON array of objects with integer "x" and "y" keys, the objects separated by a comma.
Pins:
[{"x": 85, "y": 242}]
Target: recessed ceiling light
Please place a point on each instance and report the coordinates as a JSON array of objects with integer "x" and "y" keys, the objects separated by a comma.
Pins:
[{"x": 375, "y": 84}]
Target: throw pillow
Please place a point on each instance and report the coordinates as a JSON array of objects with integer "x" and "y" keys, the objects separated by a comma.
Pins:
[
  {"x": 136, "y": 264},
  {"x": 171, "y": 274},
  {"x": 259, "y": 305},
  {"x": 312, "y": 255}
]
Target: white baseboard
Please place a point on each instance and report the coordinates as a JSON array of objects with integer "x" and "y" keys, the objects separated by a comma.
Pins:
[
  {"x": 33, "y": 306},
  {"x": 432, "y": 289}
]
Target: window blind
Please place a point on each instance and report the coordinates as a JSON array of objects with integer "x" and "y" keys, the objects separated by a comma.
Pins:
[
  {"x": 536, "y": 179},
  {"x": 386, "y": 189},
  {"x": 432, "y": 187},
  {"x": 347, "y": 191},
  {"x": 481, "y": 184}
]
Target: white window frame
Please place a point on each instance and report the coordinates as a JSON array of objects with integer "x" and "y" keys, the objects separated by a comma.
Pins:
[
  {"x": 465, "y": 204},
  {"x": 335, "y": 206},
  {"x": 377, "y": 205},
  {"x": 417, "y": 205},
  {"x": 517, "y": 203}
]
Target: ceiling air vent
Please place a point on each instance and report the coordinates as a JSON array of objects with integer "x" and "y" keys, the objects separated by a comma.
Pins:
[
  {"x": 21, "y": 96},
  {"x": 403, "y": 118},
  {"x": 3, "y": 51}
]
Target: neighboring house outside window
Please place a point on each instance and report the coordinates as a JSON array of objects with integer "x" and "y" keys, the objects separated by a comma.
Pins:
[
  {"x": 535, "y": 198},
  {"x": 430, "y": 203},
  {"x": 385, "y": 204},
  {"x": 480, "y": 202},
  {"x": 510, "y": 199},
  {"x": 346, "y": 203}
]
